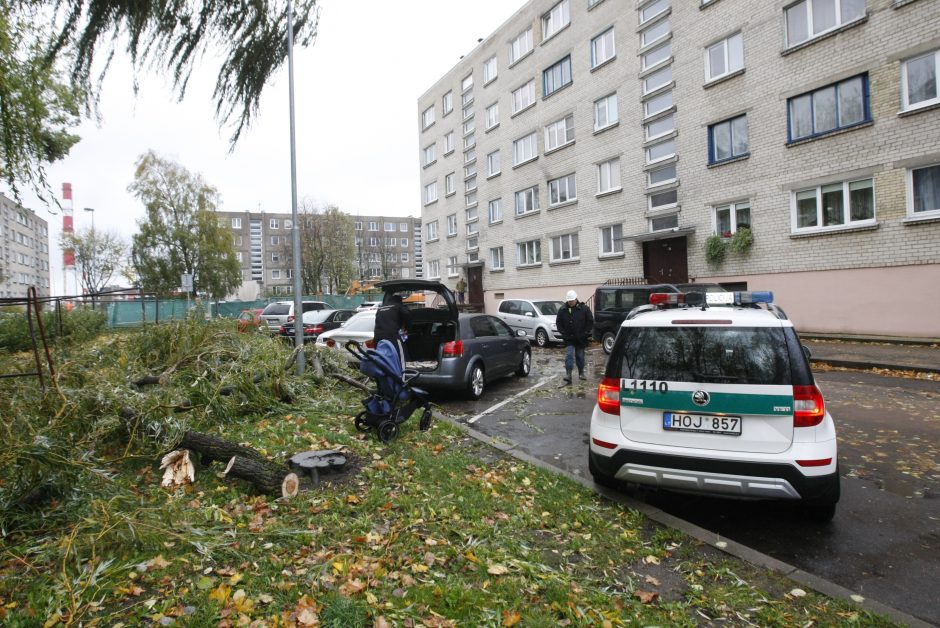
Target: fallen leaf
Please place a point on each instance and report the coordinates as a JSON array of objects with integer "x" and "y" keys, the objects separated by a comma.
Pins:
[
  {"x": 511, "y": 618},
  {"x": 497, "y": 570},
  {"x": 651, "y": 560},
  {"x": 798, "y": 593},
  {"x": 646, "y": 597},
  {"x": 653, "y": 581}
]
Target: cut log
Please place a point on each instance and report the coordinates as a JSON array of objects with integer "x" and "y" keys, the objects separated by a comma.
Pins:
[
  {"x": 266, "y": 477},
  {"x": 215, "y": 448},
  {"x": 178, "y": 469},
  {"x": 147, "y": 380}
]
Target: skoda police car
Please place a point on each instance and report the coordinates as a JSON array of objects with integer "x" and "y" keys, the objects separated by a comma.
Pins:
[{"x": 713, "y": 393}]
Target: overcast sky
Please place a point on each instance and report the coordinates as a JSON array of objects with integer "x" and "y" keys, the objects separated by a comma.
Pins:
[{"x": 356, "y": 93}]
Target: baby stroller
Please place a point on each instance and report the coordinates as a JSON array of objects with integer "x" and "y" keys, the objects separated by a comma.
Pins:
[{"x": 394, "y": 399}]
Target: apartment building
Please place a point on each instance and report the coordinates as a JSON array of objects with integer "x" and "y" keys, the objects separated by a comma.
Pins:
[
  {"x": 24, "y": 256},
  {"x": 386, "y": 248},
  {"x": 789, "y": 146}
]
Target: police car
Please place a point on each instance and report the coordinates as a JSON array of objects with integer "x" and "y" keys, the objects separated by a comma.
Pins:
[{"x": 713, "y": 393}]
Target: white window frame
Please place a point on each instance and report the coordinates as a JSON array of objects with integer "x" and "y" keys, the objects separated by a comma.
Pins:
[
  {"x": 905, "y": 94},
  {"x": 655, "y": 32},
  {"x": 926, "y": 213},
  {"x": 732, "y": 209},
  {"x": 451, "y": 225},
  {"x": 447, "y": 102},
  {"x": 664, "y": 206},
  {"x": 658, "y": 50},
  {"x": 607, "y": 172},
  {"x": 613, "y": 234},
  {"x": 523, "y": 97},
  {"x": 497, "y": 260},
  {"x": 659, "y": 6},
  {"x": 727, "y": 48},
  {"x": 559, "y": 133},
  {"x": 657, "y": 80},
  {"x": 430, "y": 193},
  {"x": 452, "y": 266},
  {"x": 491, "y": 115},
  {"x": 466, "y": 83},
  {"x": 236, "y": 223},
  {"x": 529, "y": 198},
  {"x": 812, "y": 34},
  {"x": 403, "y": 227},
  {"x": 490, "y": 70},
  {"x": 525, "y": 149},
  {"x": 450, "y": 183},
  {"x": 493, "y": 164},
  {"x": 564, "y": 248},
  {"x": 660, "y": 127},
  {"x": 603, "y": 48},
  {"x": 470, "y": 183},
  {"x": 847, "y": 222},
  {"x": 558, "y": 17},
  {"x": 649, "y": 176},
  {"x": 650, "y": 159},
  {"x": 373, "y": 225},
  {"x": 448, "y": 143},
  {"x": 274, "y": 223},
  {"x": 427, "y": 118},
  {"x": 520, "y": 46},
  {"x": 563, "y": 190},
  {"x": 275, "y": 273},
  {"x": 431, "y": 231},
  {"x": 434, "y": 269},
  {"x": 604, "y": 105},
  {"x": 495, "y": 211},
  {"x": 529, "y": 253},
  {"x": 429, "y": 154},
  {"x": 660, "y": 98},
  {"x": 389, "y": 226}
]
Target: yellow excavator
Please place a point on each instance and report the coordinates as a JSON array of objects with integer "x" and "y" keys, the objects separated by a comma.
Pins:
[{"x": 358, "y": 287}]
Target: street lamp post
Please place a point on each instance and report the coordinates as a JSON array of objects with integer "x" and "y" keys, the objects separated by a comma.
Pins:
[{"x": 94, "y": 250}]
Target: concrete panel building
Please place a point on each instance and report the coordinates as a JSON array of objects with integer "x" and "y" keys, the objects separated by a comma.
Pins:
[
  {"x": 593, "y": 140},
  {"x": 24, "y": 247}
]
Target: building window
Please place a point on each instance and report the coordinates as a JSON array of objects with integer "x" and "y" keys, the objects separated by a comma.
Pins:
[
  {"x": 523, "y": 97},
  {"x": 663, "y": 200},
  {"x": 469, "y": 155},
  {"x": 652, "y": 10},
  {"x": 496, "y": 258},
  {"x": 374, "y": 225},
  {"x": 427, "y": 117},
  {"x": 473, "y": 243},
  {"x": 430, "y": 192},
  {"x": 603, "y": 48},
  {"x": 838, "y": 106},
  {"x": 658, "y": 103},
  {"x": 447, "y": 103},
  {"x": 434, "y": 269},
  {"x": 727, "y": 140},
  {"x": 236, "y": 223},
  {"x": 525, "y": 149},
  {"x": 466, "y": 83},
  {"x": 660, "y": 151},
  {"x": 470, "y": 184},
  {"x": 429, "y": 157},
  {"x": 496, "y": 211},
  {"x": 403, "y": 242},
  {"x": 605, "y": 112},
  {"x": 724, "y": 58},
  {"x": 556, "y": 19},
  {"x": 492, "y": 163},
  {"x": 608, "y": 176},
  {"x": 812, "y": 18},
  {"x": 449, "y": 184},
  {"x": 373, "y": 241},
  {"x": 923, "y": 192},
  {"x": 562, "y": 190},
  {"x": 660, "y": 176},
  {"x": 657, "y": 55},
  {"x": 469, "y": 126},
  {"x": 492, "y": 116},
  {"x": 527, "y": 201},
  {"x": 529, "y": 253},
  {"x": 431, "y": 233},
  {"x": 390, "y": 226},
  {"x": 556, "y": 77},
  {"x": 403, "y": 227},
  {"x": 275, "y": 257},
  {"x": 274, "y": 223},
  {"x": 452, "y": 266},
  {"x": 657, "y": 80},
  {"x": 729, "y": 218},
  {"x": 276, "y": 274},
  {"x": 661, "y": 223},
  {"x": 654, "y": 33},
  {"x": 275, "y": 240},
  {"x": 452, "y": 225},
  {"x": 489, "y": 70},
  {"x": 288, "y": 223},
  {"x": 473, "y": 228},
  {"x": 469, "y": 171},
  {"x": 564, "y": 248},
  {"x": 239, "y": 256},
  {"x": 612, "y": 240},
  {"x": 520, "y": 46},
  {"x": 919, "y": 81},
  {"x": 559, "y": 133},
  {"x": 404, "y": 256},
  {"x": 848, "y": 203},
  {"x": 472, "y": 215},
  {"x": 470, "y": 199},
  {"x": 470, "y": 141},
  {"x": 449, "y": 143},
  {"x": 661, "y": 127}
]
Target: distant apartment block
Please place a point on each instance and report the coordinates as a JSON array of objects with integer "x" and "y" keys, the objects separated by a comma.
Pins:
[
  {"x": 593, "y": 140},
  {"x": 24, "y": 257}
]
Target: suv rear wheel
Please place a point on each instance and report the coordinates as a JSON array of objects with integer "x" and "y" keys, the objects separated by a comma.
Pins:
[
  {"x": 599, "y": 476},
  {"x": 541, "y": 337},
  {"x": 476, "y": 383}
]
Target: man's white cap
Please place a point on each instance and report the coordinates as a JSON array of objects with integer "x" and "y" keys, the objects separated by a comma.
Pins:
[{"x": 571, "y": 296}]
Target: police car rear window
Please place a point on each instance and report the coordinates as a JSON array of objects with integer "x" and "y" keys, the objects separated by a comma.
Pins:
[{"x": 727, "y": 355}]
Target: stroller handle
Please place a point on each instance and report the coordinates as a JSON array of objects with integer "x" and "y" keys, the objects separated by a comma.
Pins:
[{"x": 355, "y": 349}]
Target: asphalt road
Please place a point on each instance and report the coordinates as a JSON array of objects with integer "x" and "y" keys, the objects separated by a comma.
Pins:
[{"x": 884, "y": 541}]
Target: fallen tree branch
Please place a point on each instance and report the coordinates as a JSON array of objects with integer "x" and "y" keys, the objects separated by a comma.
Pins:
[
  {"x": 266, "y": 477},
  {"x": 215, "y": 448},
  {"x": 351, "y": 382}
]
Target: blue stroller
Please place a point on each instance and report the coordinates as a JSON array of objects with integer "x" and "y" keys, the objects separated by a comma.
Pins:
[{"x": 394, "y": 400}]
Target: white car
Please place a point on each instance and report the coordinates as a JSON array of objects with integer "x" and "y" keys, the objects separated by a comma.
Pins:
[
  {"x": 534, "y": 317},
  {"x": 361, "y": 328},
  {"x": 715, "y": 395},
  {"x": 368, "y": 305}
]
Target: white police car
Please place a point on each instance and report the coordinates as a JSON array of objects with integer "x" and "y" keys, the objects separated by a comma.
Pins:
[{"x": 712, "y": 393}]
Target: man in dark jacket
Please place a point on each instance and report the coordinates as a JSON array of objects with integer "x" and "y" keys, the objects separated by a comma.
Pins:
[
  {"x": 574, "y": 322},
  {"x": 392, "y": 320}
]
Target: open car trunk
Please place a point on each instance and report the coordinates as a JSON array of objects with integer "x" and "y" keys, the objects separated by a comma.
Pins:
[{"x": 433, "y": 322}]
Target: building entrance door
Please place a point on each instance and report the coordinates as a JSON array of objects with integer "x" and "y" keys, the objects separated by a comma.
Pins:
[
  {"x": 475, "y": 285},
  {"x": 666, "y": 261}
]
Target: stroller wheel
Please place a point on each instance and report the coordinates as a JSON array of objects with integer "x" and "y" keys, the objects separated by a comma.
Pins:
[
  {"x": 361, "y": 424},
  {"x": 387, "y": 431},
  {"x": 425, "y": 423}
]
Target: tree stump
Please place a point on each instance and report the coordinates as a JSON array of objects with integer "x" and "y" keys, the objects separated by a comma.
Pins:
[
  {"x": 265, "y": 477},
  {"x": 215, "y": 448}
]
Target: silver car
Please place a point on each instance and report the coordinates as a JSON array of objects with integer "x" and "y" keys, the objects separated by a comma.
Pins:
[{"x": 535, "y": 318}]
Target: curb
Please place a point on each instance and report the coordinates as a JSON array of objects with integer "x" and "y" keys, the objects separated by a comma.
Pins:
[
  {"x": 864, "y": 364},
  {"x": 733, "y": 548}
]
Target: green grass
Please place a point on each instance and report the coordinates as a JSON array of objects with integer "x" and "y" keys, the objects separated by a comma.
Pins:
[{"x": 432, "y": 529}]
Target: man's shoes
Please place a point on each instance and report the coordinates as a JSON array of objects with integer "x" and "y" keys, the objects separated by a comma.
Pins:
[
  {"x": 582, "y": 377},
  {"x": 567, "y": 377}
]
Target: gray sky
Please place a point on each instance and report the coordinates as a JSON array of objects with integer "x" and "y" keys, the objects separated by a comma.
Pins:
[{"x": 356, "y": 97}]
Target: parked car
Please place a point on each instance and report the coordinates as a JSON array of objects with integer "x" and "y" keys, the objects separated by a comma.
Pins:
[
  {"x": 249, "y": 320},
  {"x": 613, "y": 303},
  {"x": 457, "y": 352},
  {"x": 534, "y": 317},
  {"x": 282, "y": 312},
  {"x": 316, "y": 322},
  {"x": 717, "y": 397},
  {"x": 368, "y": 305},
  {"x": 360, "y": 327}
]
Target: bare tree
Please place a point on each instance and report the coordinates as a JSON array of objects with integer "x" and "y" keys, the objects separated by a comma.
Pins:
[
  {"x": 327, "y": 248},
  {"x": 99, "y": 255}
]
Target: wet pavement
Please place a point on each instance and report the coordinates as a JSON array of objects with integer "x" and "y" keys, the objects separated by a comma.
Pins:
[{"x": 884, "y": 542}]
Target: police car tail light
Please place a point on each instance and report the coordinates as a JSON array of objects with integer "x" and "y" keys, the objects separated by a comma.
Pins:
[
  {"x": 453, "y": 349},
  {"x": 608, "y": 396},
  {"x": 666, "y": 298},
  {"x": 809, "y": 408}
]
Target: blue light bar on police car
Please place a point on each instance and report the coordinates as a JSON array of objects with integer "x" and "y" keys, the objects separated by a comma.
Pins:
[{"x": 739, "y": 298}]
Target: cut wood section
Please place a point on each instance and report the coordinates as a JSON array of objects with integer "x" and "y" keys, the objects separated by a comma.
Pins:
[
  {"x": 266, "y": 477},
  {"x": 178, "y": 469},
  {"x": 215, "y": 448}
]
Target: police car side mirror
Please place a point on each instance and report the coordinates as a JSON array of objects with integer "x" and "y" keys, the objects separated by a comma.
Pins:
[
  {"x": 520, "y": 332},
  {"x": 807, "y": 352}
]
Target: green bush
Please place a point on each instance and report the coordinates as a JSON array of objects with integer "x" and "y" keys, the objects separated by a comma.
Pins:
[
  {"x": 742, "y": 240},
  {"x": 78, "y": 325},
  {"x": 715, "y": 250}
]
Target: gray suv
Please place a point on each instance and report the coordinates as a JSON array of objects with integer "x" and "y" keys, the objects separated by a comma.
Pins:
[{"x": 534, "y": 317}]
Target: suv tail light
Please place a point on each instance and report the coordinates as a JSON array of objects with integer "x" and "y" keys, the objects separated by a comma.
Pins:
[
  {"x": 370, "y": 343},
  {"x": 809, "y": 408},
  {"x": 608, "y": 396},
  {"x": 453, "y": 349},
  {"x": 313, "y": 329},
  {"x": 283, "y": 329}
]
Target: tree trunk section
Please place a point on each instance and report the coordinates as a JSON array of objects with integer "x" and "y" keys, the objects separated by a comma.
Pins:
[
  {"x": 265, "y": 477},
  {"x": 215, "y": 448}
]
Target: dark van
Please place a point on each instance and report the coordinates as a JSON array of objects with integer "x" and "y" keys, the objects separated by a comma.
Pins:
[{"x": 613, "y": 303}]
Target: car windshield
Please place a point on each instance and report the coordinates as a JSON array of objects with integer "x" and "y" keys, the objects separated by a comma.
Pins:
[
  {"x": 728, "y": 355},
  {"x": 276, "y": 309},
  {"x": 547, "y": 308}
]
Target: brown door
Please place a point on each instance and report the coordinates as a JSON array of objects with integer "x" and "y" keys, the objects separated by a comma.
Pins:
[
  {"x": 666, "y": 261},
  {"x": 475, "y": 285}
]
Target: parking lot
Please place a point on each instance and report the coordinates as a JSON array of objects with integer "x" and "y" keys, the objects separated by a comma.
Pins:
[{"x": 884, "y": 542}]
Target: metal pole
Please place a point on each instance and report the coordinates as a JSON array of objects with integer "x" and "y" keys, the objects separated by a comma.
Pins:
[{"x": 295, "y": 228}]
